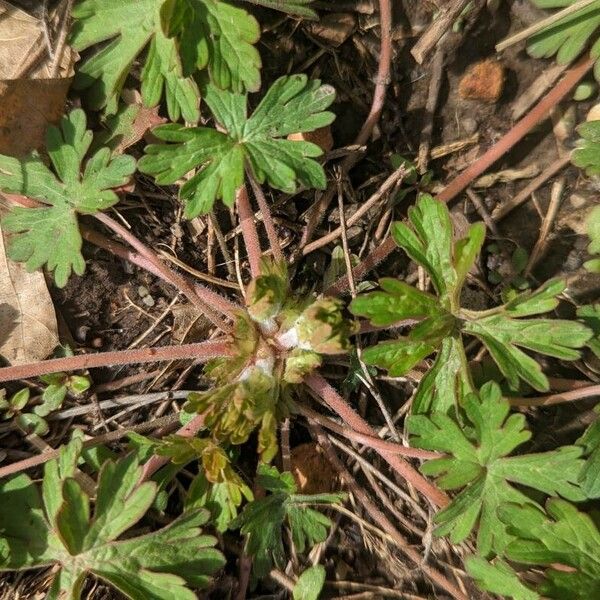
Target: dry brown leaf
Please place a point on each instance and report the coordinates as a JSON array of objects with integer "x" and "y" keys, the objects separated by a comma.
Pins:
[
  {"x": 28, "y": 328},
  {"x": 28, "y": 103}
]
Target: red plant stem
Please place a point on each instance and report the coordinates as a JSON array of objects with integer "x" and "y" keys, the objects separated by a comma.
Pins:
[
  {"x": 459, "y": 183},
  {"x": 190, "y": 429},
  {"x": 381, "y": 84},
  {"x": 381, "y": 520},
  {"x": 383, "y": 77},
  {"x": 249, "y": 232},
  {"x": 375, "y": 443},
  {"x": 222, "y": 304},
  {"x": 320, "y": 386},
  {"x": 202, "y": 351},
  {"x": 577, "y": 394},
  {"x": 180, "y": 282},
  {"x": 267, "y": 218}
]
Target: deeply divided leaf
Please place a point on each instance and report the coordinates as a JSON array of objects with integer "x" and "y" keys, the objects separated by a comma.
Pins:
[
  {"x": 440, "y": 323},
  {"x": 49, "y": 234},
  {"x": 565, "y": 540},
  {"x": 292, "y": 104},
  {"x": 481, "y": 466},
  {"x": 59, "y": 528},
  {"x": 181, "y": 36},
  {"x": 262, "y": 520}
]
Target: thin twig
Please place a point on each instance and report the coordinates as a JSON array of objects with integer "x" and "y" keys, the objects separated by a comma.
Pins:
[
  {"x": 435, "y": 83},
  {"x": 436, "y": 30},
  {"x": 501, "y": 211},
  {"x": 201, "y": 351},
  {"x": 518, "y": 131},
  {"x": 370, "y": 441},
  {"x": 135, "y": 400},
  {"x": 227, "y": 258},
  {"x": 459, "y": 183},
  {"x": 483, "y": 212},
  {"x": 317, "y": 212},
  {"x": 344, "y": 234},
  {"x": 387, "y": 186},
  {"x": 105, "y": 438},
  {"x": 367, "y": 466},
  {"x": 543, "y": 239},
  {"x": 61, "y": 42}
]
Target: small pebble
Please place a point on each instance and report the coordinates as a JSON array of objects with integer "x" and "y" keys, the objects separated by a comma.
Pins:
[
  {"x": 483, "y": 81},
  {"x": 469, "y": 125},
  {"x": 148, "y": 300},
  {"x": 81, "y": 333},
  {"x": 577, "y": 200}
]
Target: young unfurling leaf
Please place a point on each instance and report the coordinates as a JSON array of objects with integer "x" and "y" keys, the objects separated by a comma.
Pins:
[
  {"x": 442, "y": 322},
  {"x": 482, "y": 467},
  {"x": 262, "y": 520},
  {"x": 182, "y": 36},
  {"x": 222, "y": 499},
  {"x": 49, "y": 235},
  {"x": 275, "y": 344},
  {"x": 292, "y": 104},
  {"x": 54, "y": 526}
]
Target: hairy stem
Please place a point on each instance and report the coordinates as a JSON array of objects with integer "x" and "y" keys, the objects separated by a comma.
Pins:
[
  {"x": 105, "y": 438},
  {"x": 202, "y": 351},
  {"x": 249, "y": 232},
  {"x": 320, "y": 386},
  {"x": 267, "y": 218},
  {"x": 146, "y": 260},
  {"x": 370, "y": 441},
  {"x": 540, "y": 112}
]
